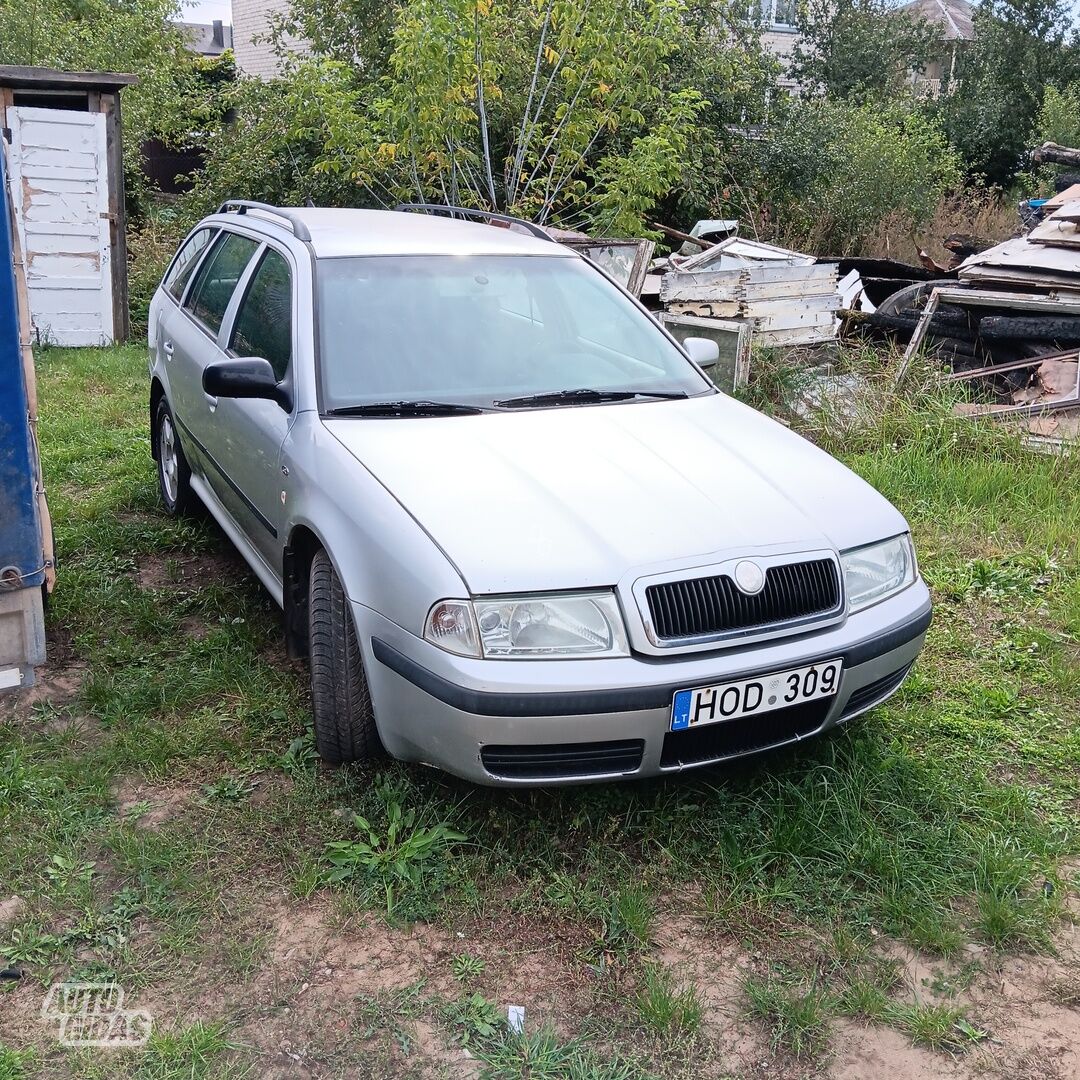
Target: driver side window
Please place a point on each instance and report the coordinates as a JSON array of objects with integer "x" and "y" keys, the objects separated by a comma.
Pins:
[{"x": 263, "y": 324}]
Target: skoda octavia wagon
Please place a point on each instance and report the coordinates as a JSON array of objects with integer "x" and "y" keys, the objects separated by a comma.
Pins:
[{"x": 513, "y": 526}]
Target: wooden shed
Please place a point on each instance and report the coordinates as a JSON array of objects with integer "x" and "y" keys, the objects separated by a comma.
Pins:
[{"x": 62, "y": 139}]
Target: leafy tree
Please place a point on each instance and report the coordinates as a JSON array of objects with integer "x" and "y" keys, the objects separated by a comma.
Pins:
[
  {"x": 825, "y": 173},
  {"x": 534, "y": 106},
  {"x": 133, "y": 36},
  {"x": 355, "y": 32},
  {"x": 1059, "y": 116},
  {"x": 859, "y": 49},
  {"x": 581, "y": 112},
  {"x": 1021, "y": 47}
]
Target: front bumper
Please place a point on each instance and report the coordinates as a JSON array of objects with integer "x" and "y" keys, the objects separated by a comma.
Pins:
[{"x": 576, "y": 721}]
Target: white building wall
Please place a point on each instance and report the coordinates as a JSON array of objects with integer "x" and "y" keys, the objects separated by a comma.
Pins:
[{"x": 251, "y": 23}]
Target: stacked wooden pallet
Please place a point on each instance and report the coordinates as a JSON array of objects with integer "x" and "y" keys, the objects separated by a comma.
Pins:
[
  {"x": 786, "y": 303},
  {"x": 782, "y": 297}
]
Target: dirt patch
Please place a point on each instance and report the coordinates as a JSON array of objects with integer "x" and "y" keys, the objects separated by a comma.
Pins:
[
  {"x": 1029, "y": 1007},
  {"x": 362, "y": 955},
  {"x": 189, "y": 571},
  {"x": 11, "y": 909},
  {"x": 194, "y": 627},
  {"x": 318, "y": 973},
  {"x": 57, "y": 684},
  {"x": 46, "y": 708},
  {"x": 150, "y": 806},
  {"x": 870, "y": 1051},
  {"x": 716, "y": 967}
]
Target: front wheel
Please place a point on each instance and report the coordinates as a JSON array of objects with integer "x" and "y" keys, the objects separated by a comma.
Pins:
[
  {"x": 340, "y": 699},
  {"x": 174, "y": 474}
]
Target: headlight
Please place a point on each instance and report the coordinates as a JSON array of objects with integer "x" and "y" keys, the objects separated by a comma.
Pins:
[
  {"x": 876, "y": 571},
  {"x": 550, "y": 625}
]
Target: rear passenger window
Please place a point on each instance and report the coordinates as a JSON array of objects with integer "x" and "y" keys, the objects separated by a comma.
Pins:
[
  {"x": 186, "y": 261},
  {"x": 264, "y": 321},
  {"x": 216, "y": 280}
]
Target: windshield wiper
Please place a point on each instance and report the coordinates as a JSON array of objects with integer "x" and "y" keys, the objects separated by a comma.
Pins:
[
  {"x": 584, "y": 396},
  {"x": 407, "y": 408}
]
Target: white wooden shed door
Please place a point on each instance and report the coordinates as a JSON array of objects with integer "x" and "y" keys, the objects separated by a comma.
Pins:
[{"x": 60, "y": 181}]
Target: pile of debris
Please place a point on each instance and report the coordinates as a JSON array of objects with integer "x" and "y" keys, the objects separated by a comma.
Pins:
[
  {"x": 1010, "y": 327},
  {"x": 737, "y": 289}
]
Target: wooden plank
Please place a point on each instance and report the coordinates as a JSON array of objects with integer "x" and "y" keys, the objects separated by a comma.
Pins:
[
  {"x": 742, "y": 282},
  {"x": 1021, "y": 254},
  {"x": 1063, "y": 198},
  {"x": 720, "y": 309},
  {"x": 915, "y": 344},
  {"x": 1037, "y": 408},
  {"x": 753, "y": 309},
  {"x": 812, "y": 335},
  {"x": 117, "y": 210},
  {"x": 21, "y": 76},
  {"x": 1012, "y": 365},
  {"x": 790, "y": 320},
  {"x": 1064, "y": 305},
  {"x": 737, "y": 247},
  {"x": 1056, "y": 233}
]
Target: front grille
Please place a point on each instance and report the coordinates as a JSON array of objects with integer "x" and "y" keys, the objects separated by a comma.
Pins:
[
  {"x": 704, "y": 607},
  {"x": 537, "y": 762},
  {"x": 730, "y": 738},
  {"x": 867, "y": 695}
]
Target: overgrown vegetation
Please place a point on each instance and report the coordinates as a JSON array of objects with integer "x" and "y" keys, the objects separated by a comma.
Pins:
[{"x": 165, "y": 822}]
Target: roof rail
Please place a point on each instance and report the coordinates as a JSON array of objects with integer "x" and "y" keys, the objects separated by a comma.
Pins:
[
  {"x": 482, "y": 215},
  {"x": 242, "y": 206}
]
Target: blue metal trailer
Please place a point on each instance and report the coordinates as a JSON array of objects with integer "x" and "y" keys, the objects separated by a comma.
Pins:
[{"x": 25, "y": 535}]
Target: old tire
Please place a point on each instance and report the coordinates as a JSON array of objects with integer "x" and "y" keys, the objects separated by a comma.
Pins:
[
  {"x": 174, "y": 474},
  {"x": 340, "y": 699}
]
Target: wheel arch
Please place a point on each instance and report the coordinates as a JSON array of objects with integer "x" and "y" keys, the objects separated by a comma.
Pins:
[
  {"x": 299, "y": 552},
  {"x": 157, "y": 392}
]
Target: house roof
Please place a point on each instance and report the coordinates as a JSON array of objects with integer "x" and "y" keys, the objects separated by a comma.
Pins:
[
  {"x": 953, "y": 16},
  {"x": 42, "y": 78}
]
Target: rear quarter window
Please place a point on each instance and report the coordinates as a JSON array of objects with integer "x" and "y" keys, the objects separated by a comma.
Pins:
[{"x": 186, "y": 260}]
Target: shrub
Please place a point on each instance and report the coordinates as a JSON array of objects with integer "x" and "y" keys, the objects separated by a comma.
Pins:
[
  {"x": 151, "y": 243},
  {"x": 826, "y": 173},
  {"x": 1059, "y": 117}
]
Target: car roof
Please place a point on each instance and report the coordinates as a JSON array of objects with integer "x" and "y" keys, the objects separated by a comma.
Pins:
[{"x": 338, "y": 233}]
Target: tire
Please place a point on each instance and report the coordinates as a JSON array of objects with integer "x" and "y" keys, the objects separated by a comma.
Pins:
[
  {"x": 174, "y": 473},
  {"x": 912, "y": 297},
  {"x": 345, "y": 728}
]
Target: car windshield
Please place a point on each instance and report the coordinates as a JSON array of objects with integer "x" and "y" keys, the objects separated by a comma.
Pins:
[{"x": 486, "y": 331}]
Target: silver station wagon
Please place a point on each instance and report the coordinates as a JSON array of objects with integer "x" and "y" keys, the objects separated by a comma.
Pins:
[{"x": 516, "y": 530}]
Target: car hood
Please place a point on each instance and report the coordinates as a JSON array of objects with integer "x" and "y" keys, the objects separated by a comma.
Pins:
[{"x": 572, "y": 498}]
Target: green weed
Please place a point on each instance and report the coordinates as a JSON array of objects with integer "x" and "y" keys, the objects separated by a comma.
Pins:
[
  {"x": 796, "y": 1019},
  {"x": 392, "y": 858},
  {"x": 665, "y": 1007}
]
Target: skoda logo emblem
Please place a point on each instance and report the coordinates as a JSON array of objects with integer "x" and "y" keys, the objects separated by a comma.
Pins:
[{"x": 749, "y": 577}]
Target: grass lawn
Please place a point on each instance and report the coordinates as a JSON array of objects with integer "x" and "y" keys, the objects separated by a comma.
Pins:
[{"x": 896, "y": 899}]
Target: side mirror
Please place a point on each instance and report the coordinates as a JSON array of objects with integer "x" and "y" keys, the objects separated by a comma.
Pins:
[
  {"x": 702, "y": 351},
  {"x": 252, "y": 377}
]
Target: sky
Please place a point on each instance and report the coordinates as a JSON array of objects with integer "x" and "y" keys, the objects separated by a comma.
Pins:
[{"x": 208, "y": 11}]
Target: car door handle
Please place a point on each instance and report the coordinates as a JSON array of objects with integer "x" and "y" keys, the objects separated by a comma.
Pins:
[{"x": 167, "y": 348}]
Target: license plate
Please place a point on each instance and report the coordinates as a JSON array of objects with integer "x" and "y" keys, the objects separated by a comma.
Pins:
[{"x": 728, "y": 701}]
